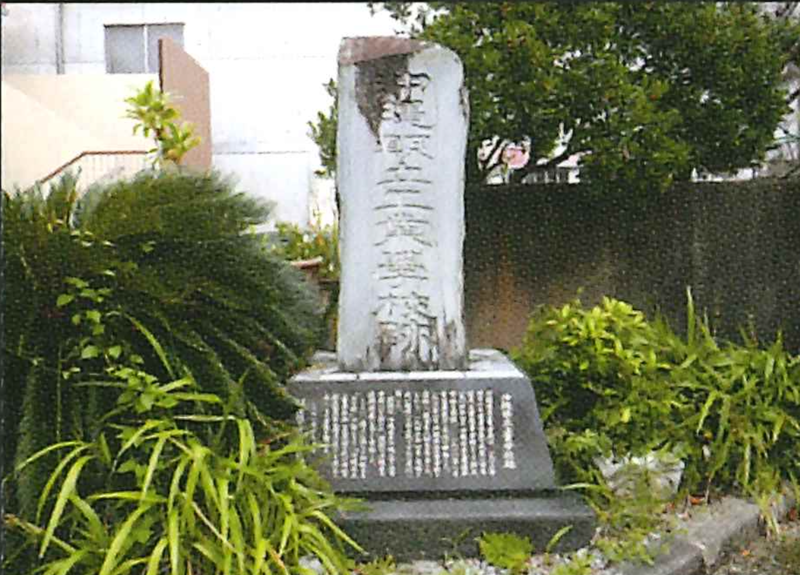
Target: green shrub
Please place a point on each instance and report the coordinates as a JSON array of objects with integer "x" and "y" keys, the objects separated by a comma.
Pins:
[
  {"x": 744, "y": 429},
  {"x": 168, "y": 481},
  {"x": 184, "y": 271},
  {"x": 609, "y": 383},
  {"x": 601, "y": 382},
  {"x": 155, "y": 113},
  {"x": 294, "y": 243},
  {"x": 506, "y": 550}
]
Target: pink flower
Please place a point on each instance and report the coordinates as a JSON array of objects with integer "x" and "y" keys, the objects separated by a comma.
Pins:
[{"x": 515, "y": 157}]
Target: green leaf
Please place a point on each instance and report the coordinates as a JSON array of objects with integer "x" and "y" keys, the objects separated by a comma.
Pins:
[
  {"x": 110, "y": 561},
  {"x": 89, "y": 352},
  {"x": 55, "y": 475},
  {"x": 67, "y": 489},
  {"x": 64, "y": 299},
  {"x": 115, "y": 351},
  {"x": 261, "y": 548},
  {"x": 154, "y": 561},
  {"x": 173, "y": 535},
  {"x": 706, "y": 407},
  {"x": 96, "y": 528},
  {"x": 153, "y": 342},
  {"x": 65, "y": 565},
  {"x": 333, "y": 527},
  {"x": 128, "y": 496},
  {"x": 77, "y": 282},
  {"x": 151, "y": 466},
  {"x": 128, "y": 565},
  {"x": 46, "y": 450},
  {"x": 137, "y": 435},
  {"x": 105, "y": 452}
]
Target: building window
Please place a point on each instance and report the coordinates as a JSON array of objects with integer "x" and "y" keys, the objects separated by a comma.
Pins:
[{"x": 133, "y": 49}]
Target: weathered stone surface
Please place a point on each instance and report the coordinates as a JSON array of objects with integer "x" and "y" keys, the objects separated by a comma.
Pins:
[
  {"x": 432, "y": 528},
  {"x": 474, "y": 432},
  {"x": 435, "y": 440},
  {"x": 402, "y": 128}
]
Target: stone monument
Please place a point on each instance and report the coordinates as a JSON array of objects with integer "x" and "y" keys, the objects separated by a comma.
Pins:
[{"x": 439, "y": 441}]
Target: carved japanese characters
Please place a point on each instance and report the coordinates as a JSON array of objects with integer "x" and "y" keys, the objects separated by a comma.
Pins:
[{"x": 402, "y": 136}]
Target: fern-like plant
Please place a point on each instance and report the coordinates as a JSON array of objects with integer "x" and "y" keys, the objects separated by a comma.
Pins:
[
  {"x": 166, "y": 481},
  {"x": 184, "y": 269}
]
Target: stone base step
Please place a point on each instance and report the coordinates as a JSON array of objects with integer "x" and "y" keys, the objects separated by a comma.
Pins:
[{"x": 432, "y": 528}]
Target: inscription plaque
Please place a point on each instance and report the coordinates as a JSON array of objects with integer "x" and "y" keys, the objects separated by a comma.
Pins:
[{"x": 405, "y": 431}]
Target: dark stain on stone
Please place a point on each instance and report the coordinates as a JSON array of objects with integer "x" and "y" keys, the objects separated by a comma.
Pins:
[
  {"x": 376, "y": 83},
  {"x": 452, "y": 360}
]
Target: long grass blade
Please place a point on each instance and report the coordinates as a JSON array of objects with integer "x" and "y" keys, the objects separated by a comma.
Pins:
[
  {"x": 255, "y": 517},
  {"x": 96, "y": 527},
  {"x": 153, "y": 463},
  {"x": 128, "y": 565},
  {"x": 36, "y": 531},
  {"x": 144, "y": 428},
  {"x": 153, "y": 343},
  {"x": 260, "y": 554},
  {"x": 54, "y": 477},
  {"x": 175, "y": 484},
  {"x": 154, "y": 561},
  {"x": 121, "y": 538},
  {"x": 211, "y": 526},
  {"x": 173, "y": 536},
  {"x": 45, "y": 451},
  {"x": 67, "y": 488},
  {"x": 128, "y": 496},
  {"x": 336, "y": 529},
  {"x": 65, "y": 565},
  {"x": 237, "y": 538}
]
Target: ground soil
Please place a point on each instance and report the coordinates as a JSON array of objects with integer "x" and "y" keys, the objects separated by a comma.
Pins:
[{"x": 767, "y": 555}]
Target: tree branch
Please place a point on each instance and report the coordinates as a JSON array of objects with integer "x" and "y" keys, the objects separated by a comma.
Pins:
[
  {"x": 491, "y": 154},
  {"x": 793, "y": 96}
]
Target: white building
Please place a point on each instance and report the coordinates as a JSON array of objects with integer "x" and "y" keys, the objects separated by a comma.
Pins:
[{"x": 267, "y": 64}]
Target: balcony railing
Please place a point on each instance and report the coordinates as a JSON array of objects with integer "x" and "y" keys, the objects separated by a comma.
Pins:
[{"x": 101, "y": 165}]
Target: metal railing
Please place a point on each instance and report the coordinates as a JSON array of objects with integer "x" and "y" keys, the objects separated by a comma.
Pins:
[{"x": 95, "y": 166}]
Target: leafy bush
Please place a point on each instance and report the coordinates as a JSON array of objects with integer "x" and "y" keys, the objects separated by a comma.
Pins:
[
  {"x": 168, "y": 481},
  {"x": 183, "y": 270},
  {"x": 154, "y": 112},
  {"x": 744, "y": 426},
  {"x": 600, "y": 381},
  {"x": 506, "y": 550},
  {"x": 294, "y": 243},
  {"x": 609, "y": 383}
]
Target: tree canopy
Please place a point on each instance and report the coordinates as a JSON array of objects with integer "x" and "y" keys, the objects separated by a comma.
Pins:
[{"x": 644, "y": 92}]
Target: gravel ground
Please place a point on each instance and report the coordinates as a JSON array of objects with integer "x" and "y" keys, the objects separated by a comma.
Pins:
[
  {"x": 764, "y": 556},
  {"x": 767, "y": 555}
]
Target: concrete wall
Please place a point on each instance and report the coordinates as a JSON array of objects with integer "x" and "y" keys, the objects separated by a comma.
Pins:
[
  {"x": 40, "y": 132},
  {"x": 187, "y": 83},
  {"x": 266, "y": 63},
  {"x": 737, "y": 244}
]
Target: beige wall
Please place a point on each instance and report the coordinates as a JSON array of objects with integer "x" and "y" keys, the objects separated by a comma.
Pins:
[
  {"x": 188, "y": 85},
  {"x": 49, "y": 120}
]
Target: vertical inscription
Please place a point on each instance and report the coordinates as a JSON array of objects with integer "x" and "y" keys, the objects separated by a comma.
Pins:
[
  {"x": 406, "y": 322},
  {"x": 507, "y": 411},
  {"x": 445, "y": 433},
  {"x": 390, "y": 431},
  {"x": 402, "y": 133}
]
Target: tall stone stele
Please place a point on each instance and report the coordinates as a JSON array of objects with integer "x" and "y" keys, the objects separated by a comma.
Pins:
[
  {"x": 402, "y": 132},
  {"x": 438, "y": 440}
]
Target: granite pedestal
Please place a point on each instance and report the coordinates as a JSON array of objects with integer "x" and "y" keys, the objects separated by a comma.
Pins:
[{"x": 439, "y": 457}]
